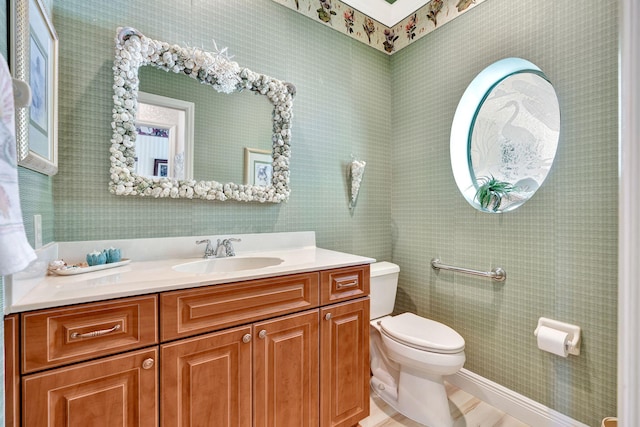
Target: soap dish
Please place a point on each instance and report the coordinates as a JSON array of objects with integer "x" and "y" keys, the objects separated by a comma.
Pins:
[{"x": 71, "y": 270}]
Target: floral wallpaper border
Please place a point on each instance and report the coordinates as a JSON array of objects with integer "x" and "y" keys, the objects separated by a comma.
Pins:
[{"x": 351, "y": 22}]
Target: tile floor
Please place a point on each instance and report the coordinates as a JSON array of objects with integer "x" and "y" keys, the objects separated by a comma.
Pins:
[{"x": 467, "y": 411}]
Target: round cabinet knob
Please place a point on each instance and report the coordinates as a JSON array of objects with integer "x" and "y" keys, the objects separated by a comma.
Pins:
[
  {"x": 246, "y": 338},
  {"x": 148, "y": 363},
  {"x": 262, "y": 335},
  {"x": 327, "y": 316}
]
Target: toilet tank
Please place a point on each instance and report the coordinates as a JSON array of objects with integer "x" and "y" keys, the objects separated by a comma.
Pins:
[{"x": 384, "y": 284}]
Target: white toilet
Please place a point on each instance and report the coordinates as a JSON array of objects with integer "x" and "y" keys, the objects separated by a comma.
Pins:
[{"x": 410, "y": 354}]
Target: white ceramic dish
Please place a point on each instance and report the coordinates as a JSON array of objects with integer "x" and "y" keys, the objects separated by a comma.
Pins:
[{"x": 70, "y": 271}]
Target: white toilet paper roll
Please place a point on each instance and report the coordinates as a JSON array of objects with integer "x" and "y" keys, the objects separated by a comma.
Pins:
[{"x": 553, "y": 341}]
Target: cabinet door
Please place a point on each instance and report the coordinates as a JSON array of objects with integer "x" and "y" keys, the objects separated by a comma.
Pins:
[
  {"x": 116, "y": 391},
  {"x": 206, "y": 381},
  {"x": 344, "y": 363},
  {"x": 11, "y": 372},
  {"x": 286, "y": 371}
]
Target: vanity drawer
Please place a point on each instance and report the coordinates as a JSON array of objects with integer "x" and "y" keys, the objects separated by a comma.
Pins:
[
  {"x": 344, "y": 284},
  {"x": 189, "y": 312},
  {"x": 60, "y": 336}
]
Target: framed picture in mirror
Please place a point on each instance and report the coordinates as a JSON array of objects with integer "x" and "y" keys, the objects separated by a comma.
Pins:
[
  {"x": 160, "y": 167},
  {"x": 34, "y": 59},
  {"x": 258, "y": 167}
]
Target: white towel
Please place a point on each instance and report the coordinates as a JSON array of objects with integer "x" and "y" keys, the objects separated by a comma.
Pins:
[{"x": 15, "y": 252}]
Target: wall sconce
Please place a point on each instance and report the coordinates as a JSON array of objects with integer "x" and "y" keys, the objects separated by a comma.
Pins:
[{"x": 356, "y": 171}]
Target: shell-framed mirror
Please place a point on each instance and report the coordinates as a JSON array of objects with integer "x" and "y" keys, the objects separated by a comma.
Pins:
[{"x": 214, "y": 70}]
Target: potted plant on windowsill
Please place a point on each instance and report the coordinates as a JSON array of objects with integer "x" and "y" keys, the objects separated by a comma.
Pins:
[{"x": 492, "y": 191}]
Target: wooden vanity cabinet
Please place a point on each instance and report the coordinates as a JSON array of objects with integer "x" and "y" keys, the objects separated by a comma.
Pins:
[
  {"x": 264, "y": 374},
  {"x": 278, "y": 352},
  {"x": 306, "y": 369}
]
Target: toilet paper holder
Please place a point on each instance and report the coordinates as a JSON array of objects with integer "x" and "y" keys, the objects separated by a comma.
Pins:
[{"x": 573, "y": 333}]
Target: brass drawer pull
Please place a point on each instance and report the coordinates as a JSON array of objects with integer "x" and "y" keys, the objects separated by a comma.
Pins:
[
  {"x": 92, "y": 334},
  {"x": 347, "y": 285}
]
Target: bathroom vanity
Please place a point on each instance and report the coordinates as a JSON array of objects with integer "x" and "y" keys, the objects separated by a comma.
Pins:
[{"x": 289, "y": 347}]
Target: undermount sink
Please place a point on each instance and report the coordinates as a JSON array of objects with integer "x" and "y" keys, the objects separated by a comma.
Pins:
[{"x": 226, "y": 265}]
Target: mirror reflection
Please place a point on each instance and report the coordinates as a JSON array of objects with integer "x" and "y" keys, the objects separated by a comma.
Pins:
[
  {"x": 505, "y": 135},
  {"x": 164, "y": 137},
  {"x": 152, "y": 152},
  {"x": 224, "y": 126}
]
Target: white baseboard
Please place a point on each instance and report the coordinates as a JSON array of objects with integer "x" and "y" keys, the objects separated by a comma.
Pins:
[{"x": 526, "y": 410}]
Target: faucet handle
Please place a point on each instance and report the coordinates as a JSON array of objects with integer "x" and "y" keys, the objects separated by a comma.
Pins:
[
  {"x": 229, "y": 247},
  {"x": 208, "y": 251}
]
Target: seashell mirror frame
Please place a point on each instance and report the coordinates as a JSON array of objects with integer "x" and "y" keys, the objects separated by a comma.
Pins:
[{"x": 134, "y": 50}]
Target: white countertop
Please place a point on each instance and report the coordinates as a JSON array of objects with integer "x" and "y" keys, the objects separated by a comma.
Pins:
[{"x": 157, "y": 275}]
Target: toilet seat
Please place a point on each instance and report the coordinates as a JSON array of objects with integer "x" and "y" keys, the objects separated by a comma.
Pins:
[{"x": 423, "y": 334}]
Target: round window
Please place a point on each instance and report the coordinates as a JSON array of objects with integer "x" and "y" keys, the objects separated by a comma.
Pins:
[{"x": 504, "y": 135}]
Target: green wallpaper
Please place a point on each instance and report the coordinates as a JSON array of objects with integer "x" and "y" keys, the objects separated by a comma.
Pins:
[
  {"x": 36, "y": 196},
  {"x": 342, "y": 107},
  {"x": 560, "y": 248}
]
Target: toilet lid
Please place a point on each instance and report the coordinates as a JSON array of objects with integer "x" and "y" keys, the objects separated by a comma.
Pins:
[{"x": 421, "y": 333}]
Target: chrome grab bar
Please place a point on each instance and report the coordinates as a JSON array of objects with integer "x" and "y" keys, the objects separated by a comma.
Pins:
[{"x": 497, "y": 274}]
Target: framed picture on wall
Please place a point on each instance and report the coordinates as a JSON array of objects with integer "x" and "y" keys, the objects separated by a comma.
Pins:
[
  {"x": 160, "y": 167},
  {"x": 34, "y": 59},
  {"x": 258, "y": 167}
]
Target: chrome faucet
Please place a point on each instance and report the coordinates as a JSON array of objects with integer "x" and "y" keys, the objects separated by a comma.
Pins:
[
  {"x": 224, "y": 248},
  {"x": 209, "y": 252}
]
